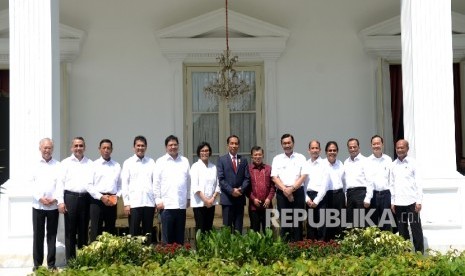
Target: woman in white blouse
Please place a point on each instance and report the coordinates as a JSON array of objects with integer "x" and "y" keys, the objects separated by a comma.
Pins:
[{"x": 204, "y": 189}]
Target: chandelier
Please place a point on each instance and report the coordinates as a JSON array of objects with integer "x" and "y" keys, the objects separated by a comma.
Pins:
[{"x": 228, "y": 84}]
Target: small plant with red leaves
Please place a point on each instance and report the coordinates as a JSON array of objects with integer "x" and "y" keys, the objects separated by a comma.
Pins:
[
  {"x": 164, "y": 252},
  {"x": 313, "y": 248}
]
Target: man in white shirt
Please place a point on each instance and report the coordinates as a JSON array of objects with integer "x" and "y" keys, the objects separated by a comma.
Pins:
[
  {"x": 104, "y": 190},
  {"x": 359, "y": 192},
  {"x": 44, "y": 205},
  {"x": 73, "y": 198},
  {"x": 137, "y": 190},
  {"x": 289, "y": 171},
  {"x": 377, "y": 172},
  {"x": 315, "y": 188},
  {"x": 172, "y": 191},
  {"x": 407, "y": 195}
]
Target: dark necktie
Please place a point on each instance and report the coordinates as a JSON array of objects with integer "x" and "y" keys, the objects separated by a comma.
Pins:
[{"x": 234, "y": 163}]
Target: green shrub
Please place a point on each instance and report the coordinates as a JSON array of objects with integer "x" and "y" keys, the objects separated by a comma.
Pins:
[
  {"x": 109, "y": 249},
  {"x": 225, "y": 253},
  {"x": 408, "y": 263},
  {"x": 223, "y": 244},
  {"x": 371, "y": 240}
]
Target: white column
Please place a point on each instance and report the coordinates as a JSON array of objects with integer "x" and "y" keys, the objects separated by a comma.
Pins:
[
  {"x": 383, "y": 103},
  {"x": 176, "y": 97},
  {"x": 428, "y": 86},
  {"x": 273, "y": 141},
  {"x": 34, "y": 114},
  {"x": 429, "y": 119},
  {"x": 34, "y": 79}
]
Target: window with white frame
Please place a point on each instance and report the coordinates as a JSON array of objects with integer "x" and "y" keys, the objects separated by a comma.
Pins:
[{"x": 213, "y": 120}]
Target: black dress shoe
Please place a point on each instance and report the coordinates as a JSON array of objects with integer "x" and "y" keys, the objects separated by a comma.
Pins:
[{"x": 35, "y": 268}]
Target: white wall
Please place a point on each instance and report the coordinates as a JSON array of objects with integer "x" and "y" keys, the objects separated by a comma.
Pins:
[
  {"x": 325, "y": 83},
  {"x": 120, "y": 85}
]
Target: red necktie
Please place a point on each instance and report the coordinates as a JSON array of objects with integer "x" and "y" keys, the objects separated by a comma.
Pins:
[{"x": 234, "y": 163}]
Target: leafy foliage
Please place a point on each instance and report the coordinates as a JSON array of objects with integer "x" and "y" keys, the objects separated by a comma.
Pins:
[
  {"x": 371, "y": 240},
  {"x": 108, "y": 250},
  {"x": 226, "y": 253},
  {"x": 253, "y": 246}
]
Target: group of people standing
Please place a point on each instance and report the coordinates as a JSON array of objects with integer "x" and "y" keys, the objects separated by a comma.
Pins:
[
  {"x": 85, "y": 190},
  {"x": 359, "y": 192}
]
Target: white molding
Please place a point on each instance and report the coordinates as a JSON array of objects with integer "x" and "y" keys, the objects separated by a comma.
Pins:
[
  {"x": 390, "y": 27},
  {"x": 212, "y": 21},
  {"x": 192, "y": 38},
  {"x": 207, "y": 49},
  {"x": 71, "y": 40},
  {"x": 384, "y": 40}
]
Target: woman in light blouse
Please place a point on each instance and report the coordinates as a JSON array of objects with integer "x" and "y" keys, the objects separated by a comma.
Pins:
[{"x": 204, "y": 189}]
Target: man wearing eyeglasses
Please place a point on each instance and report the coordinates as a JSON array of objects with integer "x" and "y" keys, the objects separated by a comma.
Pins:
[{"x": 73, "y": 198}]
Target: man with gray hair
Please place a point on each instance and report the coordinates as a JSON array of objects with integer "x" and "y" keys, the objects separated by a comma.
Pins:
[{"x": 43, "y": 181}]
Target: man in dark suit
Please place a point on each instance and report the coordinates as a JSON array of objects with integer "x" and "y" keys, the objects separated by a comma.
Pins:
[{"x": 234, "y": 179}]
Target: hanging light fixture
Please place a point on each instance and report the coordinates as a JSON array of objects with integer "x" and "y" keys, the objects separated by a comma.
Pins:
[{"x": 228, "y": 85}]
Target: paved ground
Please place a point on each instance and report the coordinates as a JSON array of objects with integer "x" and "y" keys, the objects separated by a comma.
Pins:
[{"x": 17, "y": 271}]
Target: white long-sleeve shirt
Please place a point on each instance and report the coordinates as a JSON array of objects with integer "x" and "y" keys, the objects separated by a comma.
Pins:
[
  {"x": 355, "y": 175},
  {"x": 75, "y": 176},
  {"x": 377, "y": 171},
  {"x": 405, "y": 189},
  {"x": 43, "y": 183},
  {"x": 318, "y": 179},
  {"x": 172, "y": 181},
  {"x": 336, "y": 174},
  {"x": 203, "y": 179},
  {"x": 106, "y": 178},
  {"x": 137, "y": 182},
  {"x": 289, "y": 169}
]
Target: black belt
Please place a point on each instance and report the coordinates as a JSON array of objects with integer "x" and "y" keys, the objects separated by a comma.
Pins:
[
  {"x": 381, "y": 192},
  {"x": 356, "y": 189},
  {"x": 76, "y": 194},
  {"x": 335, "y": 191}
]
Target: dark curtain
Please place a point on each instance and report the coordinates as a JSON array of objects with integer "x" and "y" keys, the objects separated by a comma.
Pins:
[
  {"x": 4, "y": 125},
  {"x": 457, "y": 115},
  {"x": 398, "y": 111},
  {"x": 397, "y": 103}
]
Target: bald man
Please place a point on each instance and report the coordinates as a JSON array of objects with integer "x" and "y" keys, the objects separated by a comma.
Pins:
[{"x": 407, "y": 194}]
